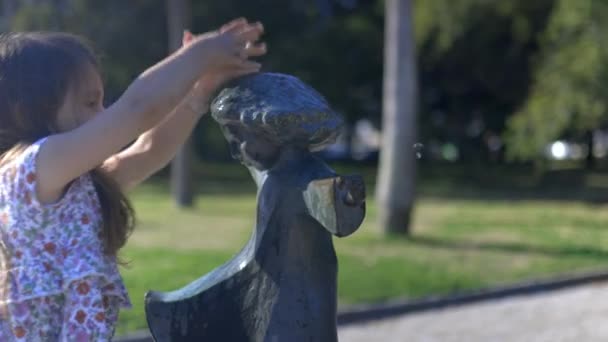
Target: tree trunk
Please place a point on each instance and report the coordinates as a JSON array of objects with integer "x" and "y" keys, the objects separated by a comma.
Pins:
[
  {"x": 396, "y": 172},
  {"x": 179, "y": 17}
]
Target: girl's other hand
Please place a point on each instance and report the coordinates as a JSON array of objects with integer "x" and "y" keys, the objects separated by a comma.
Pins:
[{"x": 236, "y": 65}]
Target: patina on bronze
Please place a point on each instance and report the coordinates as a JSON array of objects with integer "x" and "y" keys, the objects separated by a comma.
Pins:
[{"x": 282, "y": 285}]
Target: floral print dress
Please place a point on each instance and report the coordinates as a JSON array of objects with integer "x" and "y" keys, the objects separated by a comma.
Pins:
[{"x": 56, "y": 282}]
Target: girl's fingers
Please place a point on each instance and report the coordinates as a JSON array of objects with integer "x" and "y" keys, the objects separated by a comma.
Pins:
[
  {"x": 243, "y": 38},
  {"x": 238, "y": 63},
  {"x": 187, "y": 37},
  {"x": 242, "y": 64},
  {"x": 243, "y": 67},
  {"x": 241, "y": 55},
  {"x": 233, "y": 25},
  {"x": 241, "y": 72},
  {"x": 251, "y": 34},
  {"x": 249, "y": 65},
  {"x": 244, "y": 72},
  {"x": 260, "y": 26},
  {"x": 255, "y": 50}
]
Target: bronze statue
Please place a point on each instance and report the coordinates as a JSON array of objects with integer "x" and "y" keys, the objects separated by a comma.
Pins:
[{"x": 282, "y": 285}]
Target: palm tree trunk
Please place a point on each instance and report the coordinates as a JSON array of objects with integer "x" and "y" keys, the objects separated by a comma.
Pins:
[
  {"x": 179, "y": 17},
  {"x": 396, "y": 174}
]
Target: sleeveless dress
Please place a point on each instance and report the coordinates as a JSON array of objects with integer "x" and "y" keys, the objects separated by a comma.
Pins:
[{"x": 56, "y": 283}]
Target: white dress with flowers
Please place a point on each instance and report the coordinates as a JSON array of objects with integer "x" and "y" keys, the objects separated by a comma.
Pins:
[{"x": 56, "y": 282}]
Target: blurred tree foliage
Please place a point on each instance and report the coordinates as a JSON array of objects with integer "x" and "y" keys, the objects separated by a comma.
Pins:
[
  {"x": 568, "y": 96},
  {"x": 128, "y": 35},
  {"x": 479, "y": 61},
  {"x": 474, "y": 65}
]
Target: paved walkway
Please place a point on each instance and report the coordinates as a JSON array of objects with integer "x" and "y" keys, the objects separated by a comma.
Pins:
[{"x": 573, "y": 314}]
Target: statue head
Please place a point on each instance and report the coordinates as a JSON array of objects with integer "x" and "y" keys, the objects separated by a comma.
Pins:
[{"x": 262, "y": 114}]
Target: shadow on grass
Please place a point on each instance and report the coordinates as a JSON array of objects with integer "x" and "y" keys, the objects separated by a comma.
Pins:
[
  {"x": 516, "y": 185},
  {"x": 591, "y": 196},
  {"x": 509, "y": 247}
]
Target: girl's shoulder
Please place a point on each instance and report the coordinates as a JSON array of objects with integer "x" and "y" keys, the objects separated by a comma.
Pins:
[
  {"x": 18, "y": 181},
  {"x": 20, "y": 161}
]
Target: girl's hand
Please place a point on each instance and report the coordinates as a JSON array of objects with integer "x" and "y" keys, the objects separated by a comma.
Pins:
[
  {"x": 230, "y": 46},
  {"x": 235, "y": 65}
]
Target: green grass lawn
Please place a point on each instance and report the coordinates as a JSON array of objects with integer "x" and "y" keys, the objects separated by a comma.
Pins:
[{"x": 458, "y": 243}]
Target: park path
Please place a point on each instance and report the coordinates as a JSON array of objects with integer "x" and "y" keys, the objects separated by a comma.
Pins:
[{"x": 573, "y": 314}]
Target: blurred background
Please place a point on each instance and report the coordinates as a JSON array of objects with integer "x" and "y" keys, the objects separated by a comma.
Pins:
[{"x": 481, "y": 128}]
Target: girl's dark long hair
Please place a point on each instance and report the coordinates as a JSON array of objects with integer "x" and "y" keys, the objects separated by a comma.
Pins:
[{"x": 36, "y": 71}]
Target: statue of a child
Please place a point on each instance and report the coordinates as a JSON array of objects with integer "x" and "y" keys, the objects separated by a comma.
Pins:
[{"x": 282, "y": 285}]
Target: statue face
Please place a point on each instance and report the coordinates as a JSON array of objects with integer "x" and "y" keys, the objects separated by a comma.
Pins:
[{"x": 249, "y": 148}]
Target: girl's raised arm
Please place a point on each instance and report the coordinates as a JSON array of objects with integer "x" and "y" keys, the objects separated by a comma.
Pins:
[{"x": 66, "y": 156}]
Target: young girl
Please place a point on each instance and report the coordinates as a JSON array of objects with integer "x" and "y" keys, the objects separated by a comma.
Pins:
[{"x": 64, "y": 168}]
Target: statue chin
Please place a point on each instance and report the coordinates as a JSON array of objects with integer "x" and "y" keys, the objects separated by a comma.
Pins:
[
  {"x": 261, "y": 157},
  {"x": 260, "y": 165}
]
